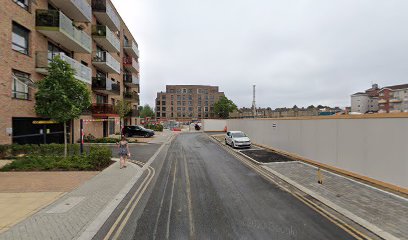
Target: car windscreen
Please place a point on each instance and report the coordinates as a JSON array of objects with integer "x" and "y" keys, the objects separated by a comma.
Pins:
[{"x": 238, "y": 135}]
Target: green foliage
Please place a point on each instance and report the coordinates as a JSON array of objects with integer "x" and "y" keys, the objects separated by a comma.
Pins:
[
  {"x": 155, "y": 127},
  {"x": 60, "y": 96},
  {"x": 146, "y": 111},
  {"x": 5, "y": 151},
  {"x": 49, "y": 157},
  {"x": 99, "y": 156},
  {"x": 223, "y": 107},
  {"x": 123, "y": 108}
]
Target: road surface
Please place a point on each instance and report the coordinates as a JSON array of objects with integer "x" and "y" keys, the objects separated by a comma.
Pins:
[{"x": 203, "y": 192}]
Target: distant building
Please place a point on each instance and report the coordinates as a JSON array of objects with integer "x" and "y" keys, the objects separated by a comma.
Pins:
[
  {"x": 363, "y": 102},
  {"x": 383, "y": 100},
  {"x": 187, "y": 102},
  {"x": 393, "y": 99}
]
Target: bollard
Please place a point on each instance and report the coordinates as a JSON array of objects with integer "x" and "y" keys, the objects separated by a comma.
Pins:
[{"x": 319, "y": 176}]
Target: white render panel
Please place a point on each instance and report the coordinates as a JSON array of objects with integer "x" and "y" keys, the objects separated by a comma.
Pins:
[{"x": 375, "y": 147}]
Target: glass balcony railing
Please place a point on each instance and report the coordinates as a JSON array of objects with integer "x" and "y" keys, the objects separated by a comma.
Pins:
[
  {"x": 131, "y": 48},
  {"x": 105, "y": 85},
  {"x": 131, "y": 64},
  {"x": 43, "y": 59},
  {"x": 78, "y": 10},
  {"x": 58, "y": 27},
  {"x": 106, "y": 14},
  {"x": 131, "y": 79},
  {"x": 105, "y": 62},
  {"x": 131, "y": 96},
  {"x": 106, "y": 38}
]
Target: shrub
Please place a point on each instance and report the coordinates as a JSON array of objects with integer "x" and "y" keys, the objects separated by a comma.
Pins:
[
  {"x": 99, "y": 156},
  {"x": 5, "y": 151},
  {"x": 155, "y": 127}
]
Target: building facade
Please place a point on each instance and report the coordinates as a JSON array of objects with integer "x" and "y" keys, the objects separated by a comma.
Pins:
[
  {"x": 363, "y": 102},
  {"x": 90, "y": 36},
  {"x": 187, "y": 102},
  {"x": 393, "y": 99}
]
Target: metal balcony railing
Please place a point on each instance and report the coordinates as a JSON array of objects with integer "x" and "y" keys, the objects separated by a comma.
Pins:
[
  {"x": 53, "y": 20},
  {"x": 43, "y": 59},
  {"x": 103, "y": 108},
  {"x": 131, "y": 78},
  {"x": 106, "y": 85},
  {"x": 133, "y": 96}
]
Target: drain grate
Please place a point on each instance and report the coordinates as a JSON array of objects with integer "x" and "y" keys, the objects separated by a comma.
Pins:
[{"x": 265, "y": 156}]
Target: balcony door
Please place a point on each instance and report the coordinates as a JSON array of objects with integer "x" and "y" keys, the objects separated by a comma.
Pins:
[{"x": 54, "y": 51}]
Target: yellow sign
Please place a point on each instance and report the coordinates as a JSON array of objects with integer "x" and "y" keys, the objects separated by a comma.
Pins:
[{"x": 45, "y": 122}]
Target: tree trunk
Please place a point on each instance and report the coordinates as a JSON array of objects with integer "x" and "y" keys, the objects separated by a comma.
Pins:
[{"x": 65, "y": 140}]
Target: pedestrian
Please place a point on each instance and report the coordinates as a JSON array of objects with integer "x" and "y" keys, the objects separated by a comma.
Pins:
[{"x": 124, "y": 152}]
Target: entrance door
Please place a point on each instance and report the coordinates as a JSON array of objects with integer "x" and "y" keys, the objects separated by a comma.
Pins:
[{"x": 105, "y": 129}]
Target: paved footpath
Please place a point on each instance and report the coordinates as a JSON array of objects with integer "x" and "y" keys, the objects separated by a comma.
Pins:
[{"x": 370, "y": 207}]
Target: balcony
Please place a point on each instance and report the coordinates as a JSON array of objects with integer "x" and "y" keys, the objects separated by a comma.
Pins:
[
  {"x": 131, "y": 48},
  {"x": 106, "y": 38},
  {"x": 59, "y": 28},
  {"x": 131, "y": 97},
  {"x": 105, "y": 62},
  {"x": 105, "y": 14},
  {"x": 131, "y": 64},
  {"x": 105, "y": 86},
  {"x": 133, "y": 113},
  {"x": 103, "y": 110},
  {"x": 42, "y": 60},
  {"x": 78, "y": 10},
  {"x": 395, "y": 100},
  {"x": 131, "y": 80},
  {"x": 382, "y": 101}
]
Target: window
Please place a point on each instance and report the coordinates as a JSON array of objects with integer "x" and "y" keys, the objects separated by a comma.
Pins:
[
  {"x": 23, "y": 3},
  {"x": 19, "y": 86},
  {"x": 20, "y": 39}
]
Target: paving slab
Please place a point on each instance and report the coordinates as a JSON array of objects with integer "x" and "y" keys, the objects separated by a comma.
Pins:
[{"x": 383, "y": 211}]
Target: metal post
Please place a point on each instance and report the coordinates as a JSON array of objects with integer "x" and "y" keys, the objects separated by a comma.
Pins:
[{"x": 81, "y": 126}]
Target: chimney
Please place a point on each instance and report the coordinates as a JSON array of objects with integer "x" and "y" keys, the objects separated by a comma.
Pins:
[{"x": 375, "y": 86}]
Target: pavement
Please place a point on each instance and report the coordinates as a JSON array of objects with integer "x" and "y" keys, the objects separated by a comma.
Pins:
[
  {"x": 203, "y": 192},
  {"x": 68, "y": 205}
]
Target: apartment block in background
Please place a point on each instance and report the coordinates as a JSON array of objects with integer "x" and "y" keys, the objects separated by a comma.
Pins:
[
  {"x": 90, "y": 36},
  {"x": 393, "y": 99},
  {"x": 367, "y": 101},
  {"x": 187, "y": 102}
]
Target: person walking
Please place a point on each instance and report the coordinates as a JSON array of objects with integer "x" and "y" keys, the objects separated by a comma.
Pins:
[{"x": 124, "y": 152}]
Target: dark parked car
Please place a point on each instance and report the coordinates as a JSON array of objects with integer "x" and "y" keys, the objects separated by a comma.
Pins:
[{"x": 130, "y": 131}]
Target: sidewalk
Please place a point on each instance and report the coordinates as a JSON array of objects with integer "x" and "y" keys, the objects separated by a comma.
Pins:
[
  {"x": 383, "y": 212},
  {"x": 68, "y": 217}
]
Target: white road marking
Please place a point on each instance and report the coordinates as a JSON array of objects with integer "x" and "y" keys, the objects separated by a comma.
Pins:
[
  {"x": 189, "y": 202},
  {"x": 171, "y": 201}
]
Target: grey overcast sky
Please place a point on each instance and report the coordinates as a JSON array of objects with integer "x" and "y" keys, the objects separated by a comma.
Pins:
[{"x": 299, "y": 52}]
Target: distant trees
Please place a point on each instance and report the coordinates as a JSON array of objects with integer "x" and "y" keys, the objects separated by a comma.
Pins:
[
  {"x": 146, "y": 111},
  {"x": 223, "y": 107}
]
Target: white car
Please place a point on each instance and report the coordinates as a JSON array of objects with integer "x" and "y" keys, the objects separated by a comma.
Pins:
[{"x": 237, "y": 139}]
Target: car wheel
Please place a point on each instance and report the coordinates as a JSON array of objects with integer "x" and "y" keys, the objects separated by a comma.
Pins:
[{"x": 147, "y": 135}]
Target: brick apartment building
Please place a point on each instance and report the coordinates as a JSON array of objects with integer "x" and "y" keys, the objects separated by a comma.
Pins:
[
  {"x": 393, "y": 99},
  {"x": 89, "y": 35},
  {"x": 187, "y": 102},
  {"x": 388, "y": 99}
]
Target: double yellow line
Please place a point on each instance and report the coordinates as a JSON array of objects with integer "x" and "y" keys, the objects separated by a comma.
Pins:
[
  {"x": 121, "y": 221},
  {"x": 268, "y": 176}
]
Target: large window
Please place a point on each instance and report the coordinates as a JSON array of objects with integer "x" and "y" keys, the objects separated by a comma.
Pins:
[
  {"x": 20, "y": 38},
  {"x": 20, "y": 88}
]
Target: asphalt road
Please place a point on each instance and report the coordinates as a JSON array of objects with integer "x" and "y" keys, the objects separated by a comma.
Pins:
[{"x": 203, "y": 192}]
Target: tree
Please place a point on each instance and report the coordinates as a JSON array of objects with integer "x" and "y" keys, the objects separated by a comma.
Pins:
[
  {"x": 223, "y": 107},
  {"x": 146, "y": 111},
  {"x": 123, "y": 108},
  {"x": 60, "y": 96}
]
